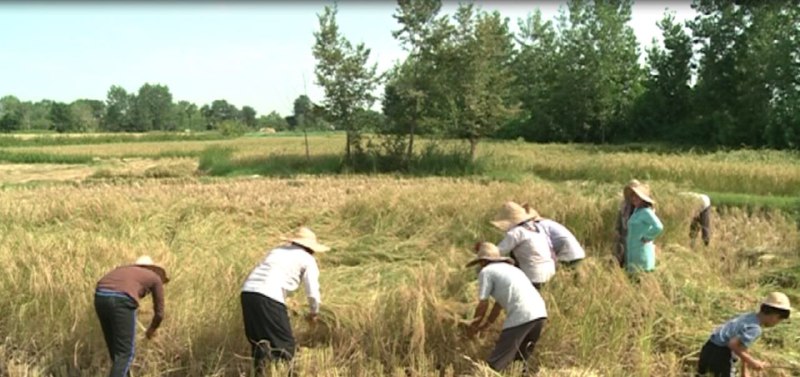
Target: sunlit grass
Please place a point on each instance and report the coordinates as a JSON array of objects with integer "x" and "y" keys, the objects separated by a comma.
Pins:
[{"x": 394, "y": 286}]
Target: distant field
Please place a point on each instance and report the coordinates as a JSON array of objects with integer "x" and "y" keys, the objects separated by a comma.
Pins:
[{"x": 394, "y": 287}]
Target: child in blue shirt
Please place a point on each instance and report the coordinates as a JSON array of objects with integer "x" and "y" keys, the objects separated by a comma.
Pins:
[{"x": 731, "y": 341}]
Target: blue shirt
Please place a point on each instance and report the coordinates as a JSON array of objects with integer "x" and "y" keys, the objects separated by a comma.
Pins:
[
  {"x": 643, "y": 225},
  {"x": 745, "y": 327}
]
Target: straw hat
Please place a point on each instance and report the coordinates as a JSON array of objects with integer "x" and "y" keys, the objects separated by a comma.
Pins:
[
  {"x": 146, "y": 261},
  {"x": 777, "y": 300},
  {"x": 305, "y": 237},
  {"x": 488, "y": 252},
  {"x": 532, "y": 212},
  {"x": 512, "y": 214},
  {"x": 627, "y": 191},
  {"x": 643, "y": 192}
]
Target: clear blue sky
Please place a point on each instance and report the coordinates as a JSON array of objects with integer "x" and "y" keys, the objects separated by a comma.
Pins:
[{"x": 248, "y": 53}]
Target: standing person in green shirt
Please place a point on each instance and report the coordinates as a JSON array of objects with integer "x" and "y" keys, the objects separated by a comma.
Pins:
[
  {"x": 624, "y": 213},
  {"x": 643, "y": 227}
]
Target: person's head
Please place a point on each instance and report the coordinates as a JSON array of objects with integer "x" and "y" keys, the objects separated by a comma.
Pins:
[
  {"x": 147, "y": 262},
  {"x": 304, "y": 238},
  {"x": 641, "y": 196},
  {"x": 627, "y": 191},
  {"x": 774, "y": 309},
  {"x": 487, "y": 253},
  {"x": 512, "y": 214}
]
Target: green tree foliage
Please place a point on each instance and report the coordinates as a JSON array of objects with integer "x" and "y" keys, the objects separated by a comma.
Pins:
[
  {"x": 248, "y": 117},
  {"x": 665, "y": 109},
  {"x": 152, "y": 109},
  {"x": 749, "y": 73},
  {"x": 273, "y": 120},
  {"x": 414, "y": 86},
  {"x": 119, "y": 110},
  {"x": 187, "y": 116},
  {"x": 345, "y": 76},
  {"x": 83, "y": 117},
  {"x": 11, "y": 114},
  {"x": 219, "y": 111},
  {"x": 61, "y": 116},
  {"x": 481, "y": 77},
  {"x": 304, "y": 116}
]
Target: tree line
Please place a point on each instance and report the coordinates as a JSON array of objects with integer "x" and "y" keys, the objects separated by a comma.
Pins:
[
  {"x": 152, "y": 108},
  {"x": 729, "y": 77}
]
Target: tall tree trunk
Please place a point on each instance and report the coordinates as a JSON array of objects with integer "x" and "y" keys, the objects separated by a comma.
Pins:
[
  {"x": 473, "y": 148},
  {"x": 410, "y": 151}
]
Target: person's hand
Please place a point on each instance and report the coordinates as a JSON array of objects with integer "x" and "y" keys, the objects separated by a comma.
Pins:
[
  {"x": 759, "y": 365},
  {"x": 150, "y": 333},
  {"x": 312, "y": 318}
]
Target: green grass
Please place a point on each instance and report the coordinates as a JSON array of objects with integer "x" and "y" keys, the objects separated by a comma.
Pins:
[
  {"x": 42, "y": 158},
  {"x": 756, "y": 202},
  {"x": 220, "y": 161},
  {"x": 54, "y": 139}
]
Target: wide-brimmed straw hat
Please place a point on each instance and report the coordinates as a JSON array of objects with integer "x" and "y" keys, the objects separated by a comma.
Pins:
[
  {"x": 643, "y": 192},
  {"x": 303, "y": 236},
  {"x": 628, "y": 190},
  {"x": 488, "y": 252},
  {"x": 532, "y": 212},
  {"x": 512, "y": 214},
  {"x": 778, "y": 300},
  {"x": 146, "y": 261}
]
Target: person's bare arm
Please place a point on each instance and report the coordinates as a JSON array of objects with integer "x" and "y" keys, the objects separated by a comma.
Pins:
[
  {"x": 480, "y": 313},
  {"x": 748, "y": 361},
  {"x": 496, "y": 309}
]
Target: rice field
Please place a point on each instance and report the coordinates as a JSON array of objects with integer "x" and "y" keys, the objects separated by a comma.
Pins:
[{"x": 394, "y": 290}]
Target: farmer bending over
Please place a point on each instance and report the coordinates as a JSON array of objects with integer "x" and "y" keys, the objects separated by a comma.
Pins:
[
  {"x": 116, "y": 299},
  {"x": 266, "y": 321},
  {"x": 730, "y": 341},
  {"x": 526, "y": 242},
  {"x": 512, "y": 291}
]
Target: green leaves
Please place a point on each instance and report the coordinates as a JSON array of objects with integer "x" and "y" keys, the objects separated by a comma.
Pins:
[{"x": 345, "y": 76}]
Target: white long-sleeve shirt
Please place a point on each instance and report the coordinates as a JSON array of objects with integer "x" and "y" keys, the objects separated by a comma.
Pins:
[
  {"x": 532, "y": 251},
  {"x": 280, "y": 273}
]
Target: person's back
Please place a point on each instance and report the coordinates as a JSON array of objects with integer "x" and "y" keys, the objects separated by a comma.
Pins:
[
  {"x": 531, "y": 248},
  {"x": 565, "y": 244},
  {"x": 510, "y": 288},
  {"x": 279, "y": 272}
]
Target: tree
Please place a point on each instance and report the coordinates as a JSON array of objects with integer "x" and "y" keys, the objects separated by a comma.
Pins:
[
  {"x": 273, "y": 120},
  {"x": 665, "y": 110},
  {"x": 153, "y": 109},
  {"x": 412, "y": 83},
  {"x": 187, "y": 115},
  {"x": 81, "y": 118},
  {"x": 11, "y": 114},
  {"x": 343, "y": 72},
  {"x": 61, "y": 117},
  {"x": 303, "y": 112},
  {"x": 481, "y": 84},
  {"x": 248, "y": 116},
  {"x": 119, "y": 114},
  {"x": 536, "y": 67}
]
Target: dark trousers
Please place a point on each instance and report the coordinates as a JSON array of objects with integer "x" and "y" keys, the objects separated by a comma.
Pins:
[
  {"x": 117, "y": 314},
  {"x": 267, "y": 326},
  {"x": 716, "y": 360},
  {"x": 701, "y": 222},
  {"x": 516, "y": 343}
]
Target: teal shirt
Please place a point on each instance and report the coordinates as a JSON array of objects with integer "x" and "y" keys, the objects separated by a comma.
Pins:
[{"x": 642, "y": 224}]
